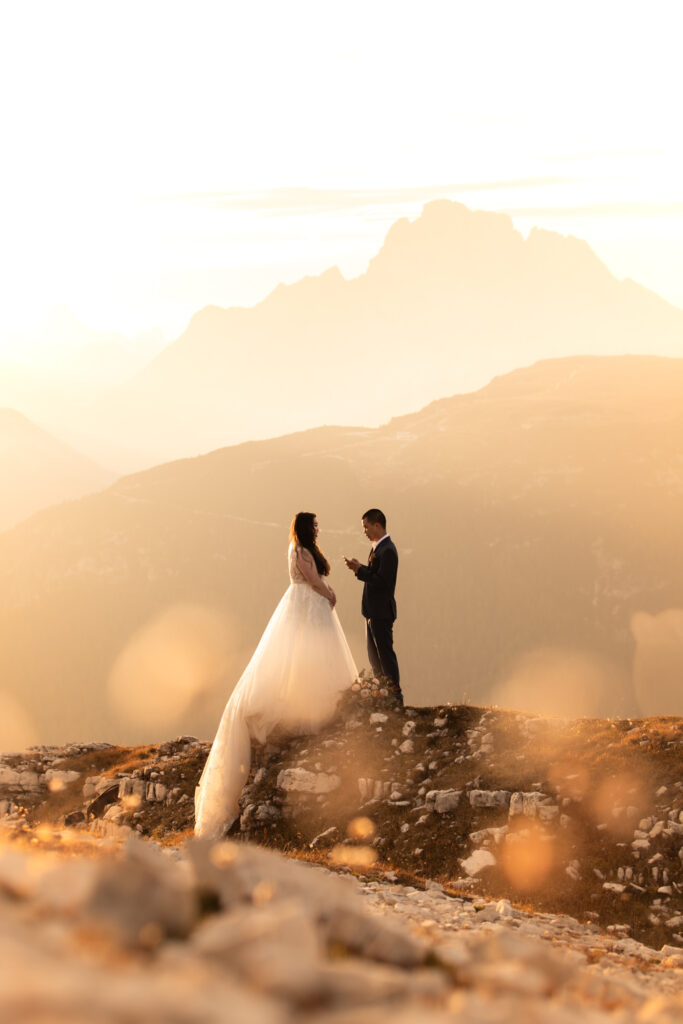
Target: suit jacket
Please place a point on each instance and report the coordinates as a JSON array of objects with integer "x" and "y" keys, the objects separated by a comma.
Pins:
[{"x": 379, "y": 579}]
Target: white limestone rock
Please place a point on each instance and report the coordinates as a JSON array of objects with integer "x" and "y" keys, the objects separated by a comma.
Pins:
[
  {"x": 493, "y": 798},
  {"x": 477, "y": 861},
  {"x": 142, "y": 890},
  {"x": 299, "y": 780},
  {"x": 444, "y": 801},
  {"x": 355, "y": 986},
  {"x": 505, "y": 909},
  {"x": 110, "y": 829},
  {"x": 18, "y": 780},
  {"x": 529, "y": 805},
  {"x": 376, "y": 938},
  {"x": 57, "y": 779},
  {"x": 90, "y": 787},
  {"x": 485, "y": 835},
  {"x": 573, "y": 869},
  {"x": 275, "y": 948},
  {"x": 133, "y": 787},
  {"x": 232, "y": 871},
  {"x": 155, "y": 792}
]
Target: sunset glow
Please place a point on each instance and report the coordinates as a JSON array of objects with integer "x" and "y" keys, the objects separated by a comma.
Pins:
[
  {"x": 150, "y": 150},
  {"x": 218, "y": 222},
  {"x": 341, "y": 492}
]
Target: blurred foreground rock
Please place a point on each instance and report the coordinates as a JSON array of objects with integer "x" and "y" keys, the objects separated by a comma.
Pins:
[{"x": 231, "y": 932}]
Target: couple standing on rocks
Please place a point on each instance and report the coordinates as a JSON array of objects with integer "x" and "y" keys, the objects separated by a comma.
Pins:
[{"x": 302, "y": 663}]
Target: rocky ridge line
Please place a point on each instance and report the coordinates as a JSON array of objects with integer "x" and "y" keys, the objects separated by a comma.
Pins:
[{"x": 584, "y": 818}]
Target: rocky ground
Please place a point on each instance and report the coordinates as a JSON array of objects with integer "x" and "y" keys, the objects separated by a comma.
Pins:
[{"x": 443, "y": 862}]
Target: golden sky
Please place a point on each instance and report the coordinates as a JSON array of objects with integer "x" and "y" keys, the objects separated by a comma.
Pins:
[{"x": 160, "y": 156}]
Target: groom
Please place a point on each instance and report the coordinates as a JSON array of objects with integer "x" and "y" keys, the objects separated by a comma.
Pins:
[{"x": 379, "y": 604}]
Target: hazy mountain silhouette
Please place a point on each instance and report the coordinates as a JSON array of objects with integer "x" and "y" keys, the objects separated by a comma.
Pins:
[
  {"x": 62, "y": 368},
  {"x": 538, "y": 522},
  {"x": 61, "y": 343},
  {"x": 37, "y": 470},
  {"x": 451, "y": 299}
]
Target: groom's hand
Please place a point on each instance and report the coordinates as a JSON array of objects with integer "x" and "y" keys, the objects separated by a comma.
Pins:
[{"x": 353, "y": 564}]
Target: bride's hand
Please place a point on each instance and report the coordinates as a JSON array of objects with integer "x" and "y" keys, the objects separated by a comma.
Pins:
[{"x": 332, "y": 598}]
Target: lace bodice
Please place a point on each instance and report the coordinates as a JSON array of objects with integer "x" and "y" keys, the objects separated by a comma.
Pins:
[{"x": 295, "y": 573}]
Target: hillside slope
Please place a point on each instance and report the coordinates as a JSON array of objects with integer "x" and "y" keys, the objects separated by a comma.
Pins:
[
  {"x": 538, "y": 524},
  {"x": 37, "y": 470}
]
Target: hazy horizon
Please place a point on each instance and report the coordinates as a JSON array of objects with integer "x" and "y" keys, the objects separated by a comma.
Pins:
[
  {"x": 449, "y": 268},
  {"x": 39, "y": 342},
  {"x": 269, "y": 264},
  {"x": 225, "y": 226},
  {"x": 144, "y": 197}
]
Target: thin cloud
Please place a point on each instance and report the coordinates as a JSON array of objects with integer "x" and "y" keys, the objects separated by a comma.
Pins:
[
  {"x": 600, "y": 155},
  {"x": 631, "y": 210},
  {"x": 285, "y": 201}
]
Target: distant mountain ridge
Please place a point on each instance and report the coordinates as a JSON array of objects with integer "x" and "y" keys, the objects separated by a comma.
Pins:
[
  {"x": 538, "y": 525},
  {"x": 61, "y": 344},
  {"x": 37, "y": 470},
  {"x": 451, "y": 299}
]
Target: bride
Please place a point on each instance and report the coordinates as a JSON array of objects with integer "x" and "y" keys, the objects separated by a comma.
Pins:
[{"x": 293, "y": 681}]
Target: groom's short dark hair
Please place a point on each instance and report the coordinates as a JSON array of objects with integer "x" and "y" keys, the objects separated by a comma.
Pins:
[{"x": 375, "y": 515}]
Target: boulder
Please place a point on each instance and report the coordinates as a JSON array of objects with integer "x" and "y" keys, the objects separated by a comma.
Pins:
[
  {"x": 489, "y": 798},
  {"x": 299, "y": 780},
  {"x": 374, "y": 937},
  {"x": 477, "y": 861},
  {"x": 444, "y": 800},
  {"x": 234, "y": 872},
  {"x": 141, "y": 895},
  {"x": 275, "y": 948},
  {"x": 57, "y": 779},
  {"x": 19, "y": 780}
]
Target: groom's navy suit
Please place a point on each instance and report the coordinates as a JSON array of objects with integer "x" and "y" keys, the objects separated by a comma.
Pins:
[{"x": 379, "y": 607}]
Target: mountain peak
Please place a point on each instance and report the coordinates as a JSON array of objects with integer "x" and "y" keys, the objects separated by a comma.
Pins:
[
  {"x": 447, "y": 236},
  {"x": 13, "y": 424},
  {"x": 452, "y": 298},
  {"x": 8, "y": 415},
  {"x": 564, "y": 252}
]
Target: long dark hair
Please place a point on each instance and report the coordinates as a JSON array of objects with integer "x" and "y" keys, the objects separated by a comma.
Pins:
[{"x": 301, "y": 533}]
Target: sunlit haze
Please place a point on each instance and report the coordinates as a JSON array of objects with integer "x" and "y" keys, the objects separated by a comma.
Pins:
[
  {"x": 161, "y": 157},
  {"x": 341, "y": 494},
  {"x": 330, "y": 256}
]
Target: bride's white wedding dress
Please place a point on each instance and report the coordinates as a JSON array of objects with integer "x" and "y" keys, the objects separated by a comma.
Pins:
[{"x": 293, "y": 682}]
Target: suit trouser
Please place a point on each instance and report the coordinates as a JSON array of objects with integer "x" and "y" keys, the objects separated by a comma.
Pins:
[{"x": 380, "y": 638}]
